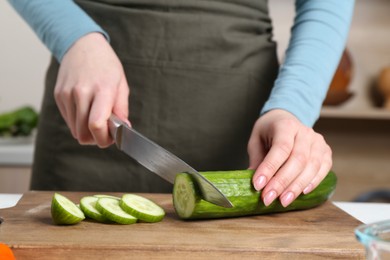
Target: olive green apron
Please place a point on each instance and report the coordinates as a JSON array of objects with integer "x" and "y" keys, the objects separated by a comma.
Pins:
[{"x": 199, "y": 72}]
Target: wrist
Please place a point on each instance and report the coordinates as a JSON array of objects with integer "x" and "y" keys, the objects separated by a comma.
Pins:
[
  {"x": 279, "y": 113},
  {"x": 85, "y": 44}
]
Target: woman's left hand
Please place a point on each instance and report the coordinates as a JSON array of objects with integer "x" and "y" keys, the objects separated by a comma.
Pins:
[{"x": 288, "y": 157}]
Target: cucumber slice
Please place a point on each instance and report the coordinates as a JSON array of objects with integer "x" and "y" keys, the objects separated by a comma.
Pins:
[
  {"x": 106, "y": 196},
  {"x": 64, "y": 211},
  {"x": 88, "y": 206},
  {"x": 142, "y": 208},
  {"x": 111, "y": 210}
]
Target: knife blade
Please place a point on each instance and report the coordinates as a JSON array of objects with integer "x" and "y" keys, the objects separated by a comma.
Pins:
[{"x": 159, "y": 160}]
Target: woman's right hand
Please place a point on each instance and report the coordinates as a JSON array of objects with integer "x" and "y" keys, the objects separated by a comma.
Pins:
[{"x": 91, "y": 84}]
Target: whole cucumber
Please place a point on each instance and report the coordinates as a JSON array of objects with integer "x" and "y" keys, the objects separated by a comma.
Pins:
[{"x": 238, "y": 188}]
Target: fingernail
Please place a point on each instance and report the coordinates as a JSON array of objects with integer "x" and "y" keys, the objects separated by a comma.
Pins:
[
  {"x": 287, "y": 199},
  {"x": 308, "y": 189},
  {"x": 260, "y": 182},
  {"x": 128, "y": 123},
  {"x": 269, "y": 197}
]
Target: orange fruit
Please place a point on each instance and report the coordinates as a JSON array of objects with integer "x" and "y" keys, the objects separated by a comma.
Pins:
[{"x": 6, "y": 252}]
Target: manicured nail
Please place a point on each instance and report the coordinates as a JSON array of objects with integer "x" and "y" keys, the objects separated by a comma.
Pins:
[
  {"x": 287, "y": 199},
  {"x": 308, "y": 189},
  {"x": 269, "y": 197},
  {"x": 260, "y": 182}
]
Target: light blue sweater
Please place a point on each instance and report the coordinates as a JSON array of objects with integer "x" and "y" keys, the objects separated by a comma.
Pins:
[{"x": 318, "y": 38}]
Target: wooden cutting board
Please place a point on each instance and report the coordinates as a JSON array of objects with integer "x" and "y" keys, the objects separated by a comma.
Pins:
[{"x": 324, "y": 232}]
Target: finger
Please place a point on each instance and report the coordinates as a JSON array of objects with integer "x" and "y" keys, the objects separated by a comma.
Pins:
[
  {"x": 279, "y": 152},
  {"x": 66, "y": 106},
  {"x": 70, "y": 110},
  {"x": 311, "y": 172},
  {"x": 292, "y": 167},
  {"x": 324, "y": 170},
  {"x": 61, "y": 108},
  {"x": 325, "y": 167},
  {"x": 300, "y": 183},
  {"x": 83, "y": 98},
  {"x": 121, "y": 105},
  {"x": 256, "y": 150},
  {"x": 100, "y": 112}
]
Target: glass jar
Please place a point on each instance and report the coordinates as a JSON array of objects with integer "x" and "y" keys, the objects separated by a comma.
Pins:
[{"x": 376, "y": 239}]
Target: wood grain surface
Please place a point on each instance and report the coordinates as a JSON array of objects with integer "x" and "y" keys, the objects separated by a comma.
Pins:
[{"x": 324, "y": 232}]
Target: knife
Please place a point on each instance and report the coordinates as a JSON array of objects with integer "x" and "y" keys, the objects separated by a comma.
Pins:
[{"x": 160, "y": 161}]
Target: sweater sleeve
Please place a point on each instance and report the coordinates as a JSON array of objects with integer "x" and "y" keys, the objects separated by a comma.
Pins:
[
  {"x": 59, "y": 24},
  {"x": 318, "y": 38}
]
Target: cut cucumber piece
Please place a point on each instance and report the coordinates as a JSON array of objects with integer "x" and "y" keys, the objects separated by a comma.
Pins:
[
  {"x": 111, "y": 210},
  {"x": 88, "y": 206},
  {"x": 106, "y": 196},
  {"x": 64, "y": 211},
  {"x": 142, "y": 208},
  {"x": 185, "y": 195},
  {"x": 238, "y": 188}
]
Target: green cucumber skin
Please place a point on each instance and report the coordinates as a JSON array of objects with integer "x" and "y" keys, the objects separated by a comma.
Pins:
[
  {"x": 59, "y": 217},
  {"x": 238, "y": 188},
  {"x": 90, "y": 214}
]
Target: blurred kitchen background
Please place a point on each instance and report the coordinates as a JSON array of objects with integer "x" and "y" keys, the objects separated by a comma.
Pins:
[{"x": 354, "y": 120}]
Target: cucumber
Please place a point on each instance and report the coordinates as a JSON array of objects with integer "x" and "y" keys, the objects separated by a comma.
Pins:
[
  {"x": 142, "y": 208},
  {"x": 88, "y": 206},
  {"x": 64, "y": 211},
  {"x": 106, "y": 196},
  {"x": 110, "y": 209},
  {"x": 238, "y": 188}
]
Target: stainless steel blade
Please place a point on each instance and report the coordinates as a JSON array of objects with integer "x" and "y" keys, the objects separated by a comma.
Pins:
[{"x": 160, "y": 161}]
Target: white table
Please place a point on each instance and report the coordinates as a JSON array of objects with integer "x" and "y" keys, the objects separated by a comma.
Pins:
[
  {"x": 9, "y": 200},
  {"x": 364, "y": 212}
]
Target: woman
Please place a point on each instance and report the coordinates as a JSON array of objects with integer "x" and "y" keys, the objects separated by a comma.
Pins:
[{"x": 199, "y": 73}]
